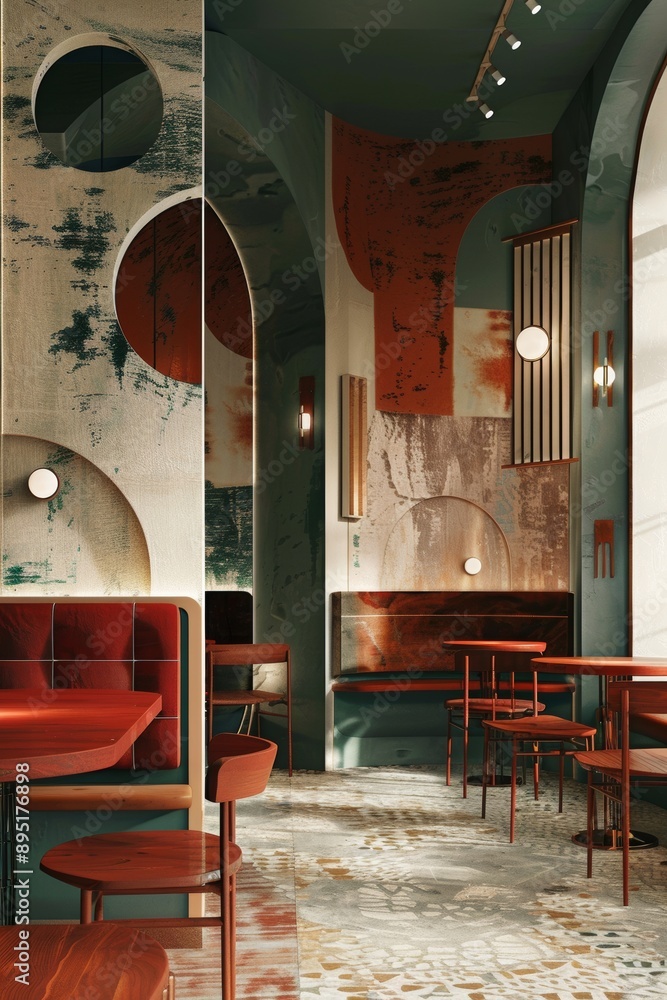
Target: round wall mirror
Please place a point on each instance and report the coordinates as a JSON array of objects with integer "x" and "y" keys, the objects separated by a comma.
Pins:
[
  {"x": 97, "y": 107},
  {"x": 532, "y": 343}
]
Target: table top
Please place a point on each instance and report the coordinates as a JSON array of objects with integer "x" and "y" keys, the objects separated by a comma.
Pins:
[
  {"x": 603, "y": 666},
  {"x": 81, "y": 960},
  {"x": 69, "y": 731},
  {"x": 495, "y": 645}
]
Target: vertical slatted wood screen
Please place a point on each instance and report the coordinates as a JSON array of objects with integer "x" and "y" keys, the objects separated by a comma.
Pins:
[
  {"x": 354, "y": 446},
  {"x": 542, "y": 429}
]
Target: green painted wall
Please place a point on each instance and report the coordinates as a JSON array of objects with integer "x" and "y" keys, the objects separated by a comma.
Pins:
[{"x": 264, "y": 176}]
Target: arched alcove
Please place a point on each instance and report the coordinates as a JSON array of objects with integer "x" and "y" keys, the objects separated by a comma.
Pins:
[
  {"x": 649, "y": 382},
  {"x": 258, "y": 209}
]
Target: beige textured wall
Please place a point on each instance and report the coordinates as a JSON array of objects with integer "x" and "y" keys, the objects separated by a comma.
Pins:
[{"x": 133, "y": 523}]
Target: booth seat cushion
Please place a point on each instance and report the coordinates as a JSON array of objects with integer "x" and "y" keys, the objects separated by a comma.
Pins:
[{"x": 123, "y": 646}]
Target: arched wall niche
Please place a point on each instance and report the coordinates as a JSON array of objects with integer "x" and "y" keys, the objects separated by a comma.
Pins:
[
  {"x": 285, "y": 503},
  {"x": 649, "y": 380},
  {"x": 603, "y": 492}
]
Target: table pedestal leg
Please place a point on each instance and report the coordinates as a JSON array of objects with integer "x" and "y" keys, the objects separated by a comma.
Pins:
[{"x": 610, "y": 840}]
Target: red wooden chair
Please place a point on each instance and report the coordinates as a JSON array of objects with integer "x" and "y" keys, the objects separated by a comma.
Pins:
[
  {"x": 491, "y": 661},
  {"x": 175, "y": 861},
  {"x": 612, "y": 773},
  {"x": 533, "y": 736},
  {"x": 255, "y": 701}
]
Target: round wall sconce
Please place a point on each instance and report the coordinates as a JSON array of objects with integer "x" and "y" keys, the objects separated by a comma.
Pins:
[
  {"x": 43, "y": 484},
  {"x": 472, "y": 566},
  {"x": 532, "y": 343}
]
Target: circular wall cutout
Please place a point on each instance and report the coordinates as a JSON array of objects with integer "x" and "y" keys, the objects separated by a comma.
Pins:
[
  {"x": 532, "y": 343},
  {"x": 158, "y": 290},
  {"x": 97, "y": 104}
]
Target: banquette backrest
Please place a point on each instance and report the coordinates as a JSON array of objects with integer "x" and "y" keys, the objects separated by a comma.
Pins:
[
  {"x": 123, "y": 646},
  {"x": 377, "y": 631}
]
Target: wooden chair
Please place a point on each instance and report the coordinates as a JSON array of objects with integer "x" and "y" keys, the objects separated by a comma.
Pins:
[
  {"x": 612, "y": 773},
  {"x": 241, "y": 692},
  {"x": 175, "y": 861},
  {"x": 488, "y": 660},
  {"x": 546, "y": 735},
  {"x": 104, "y": 961}
]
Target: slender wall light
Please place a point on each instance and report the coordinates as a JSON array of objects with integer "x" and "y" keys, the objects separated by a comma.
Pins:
[
  {"x": 43, "y": 484},
  {"x": 603, "y": 373},
  {"x": 354, "y": 433},
  {"x": 306, "y": 412}
]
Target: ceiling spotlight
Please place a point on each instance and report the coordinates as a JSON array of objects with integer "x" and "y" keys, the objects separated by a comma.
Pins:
[
  {"x": 497, "y": 75},
  {"x": 511, "y": 39},
  {"x": 486, "y": 110},
  {"x": 533, "y": 6}
]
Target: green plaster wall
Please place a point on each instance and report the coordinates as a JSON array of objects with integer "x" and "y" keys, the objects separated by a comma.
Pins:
[
  {"x": 264, "y": 177},
  {"x": 595, "y": 144}
]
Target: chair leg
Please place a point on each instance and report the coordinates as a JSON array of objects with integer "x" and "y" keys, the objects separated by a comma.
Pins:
[
  {"x": 536, "y": 771},
  {"x": 561, "y": 776},
  {"x": 590, "y": 811},
  {"x": 513, "y": 789},
  {"x": 485, "y": 768},
  {"x": 625, "y": 833},
  {"x": 448, "y": 749},
  {"x": 465, "y": 759}
]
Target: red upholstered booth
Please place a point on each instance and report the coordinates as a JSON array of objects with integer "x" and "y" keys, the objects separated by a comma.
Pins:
[{"x": 123, "y": 646}]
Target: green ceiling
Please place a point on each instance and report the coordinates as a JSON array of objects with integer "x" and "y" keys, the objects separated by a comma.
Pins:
[{"x": 398, "y": 66}]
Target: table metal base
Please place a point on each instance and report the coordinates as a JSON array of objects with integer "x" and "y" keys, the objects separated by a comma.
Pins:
[
  {"x": 501, "y": 780},
  {"x": 610, "y": 840}
]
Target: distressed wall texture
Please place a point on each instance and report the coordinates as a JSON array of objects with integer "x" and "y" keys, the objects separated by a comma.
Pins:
[
  {"x": 442, "y": 369},
  {"x": 75, "y": 395}
]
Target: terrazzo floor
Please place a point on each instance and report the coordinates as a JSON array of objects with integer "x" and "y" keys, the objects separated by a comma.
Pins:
[{"x": 378, "y": 883}]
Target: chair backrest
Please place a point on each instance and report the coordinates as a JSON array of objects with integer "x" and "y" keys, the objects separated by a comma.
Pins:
[
  {"x": 642, "y": 696},
  {"x": 628, "y": 697},
  {"x": 247, "y": 653},
  {"x": 238, "y": 766}
]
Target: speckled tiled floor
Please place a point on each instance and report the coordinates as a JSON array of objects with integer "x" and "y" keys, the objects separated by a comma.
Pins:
[{"x": 379, "y": 883}]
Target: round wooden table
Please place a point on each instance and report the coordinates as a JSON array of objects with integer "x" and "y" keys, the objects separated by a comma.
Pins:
[
  {"x": 606, "y": 669},
  {"x": 57, "y": 731}
]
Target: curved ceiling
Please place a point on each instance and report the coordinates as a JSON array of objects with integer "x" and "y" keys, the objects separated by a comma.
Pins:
[{"x": 405, "y": 67}]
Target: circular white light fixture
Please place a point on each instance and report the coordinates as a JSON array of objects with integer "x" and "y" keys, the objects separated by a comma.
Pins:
[
  {"x": 532, "y": 343},
  {"x": 604, "y": 376},
  {"x": 43, "y": 484},
  {"x": 472, "y": 566}
]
